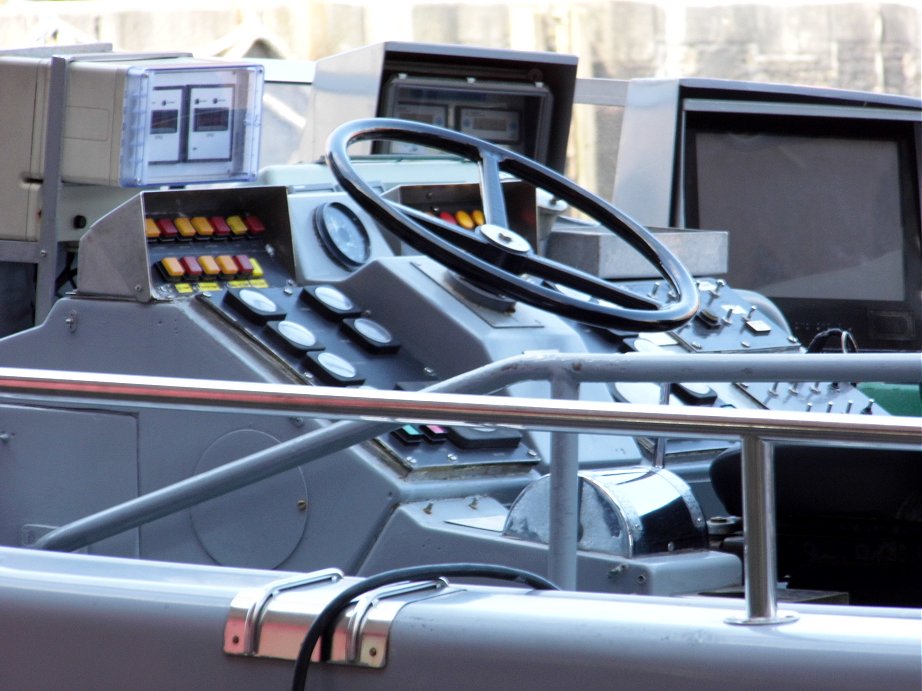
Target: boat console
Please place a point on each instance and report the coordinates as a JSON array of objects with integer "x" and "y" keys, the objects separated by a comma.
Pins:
[{"x": 436, "y": 238}]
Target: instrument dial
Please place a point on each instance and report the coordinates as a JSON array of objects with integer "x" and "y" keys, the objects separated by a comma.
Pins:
[{"x": 342, "y": 234}]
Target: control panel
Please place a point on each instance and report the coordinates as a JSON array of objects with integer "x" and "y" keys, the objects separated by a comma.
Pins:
[
  {"x": 325, "y": 336},
  {"x": 239, "y": 255},
  {"x": 231, "y": 251},
  {"x": 296, "y": 284},
  {"x": 728, "y": 321},
  {"x": 276, "y": 265}
]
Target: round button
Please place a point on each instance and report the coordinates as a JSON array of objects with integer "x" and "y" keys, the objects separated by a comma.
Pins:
[
  {"x": 334, "y": 298},
  {"x": 373, "y": 331},
  {"x": 337, "y": 366},
  {"x": 257, "y": 301},
  {"x": 371, "y": 335},
  {"x": 255, "y": 305},
  {"x": 297, "y": 335}
]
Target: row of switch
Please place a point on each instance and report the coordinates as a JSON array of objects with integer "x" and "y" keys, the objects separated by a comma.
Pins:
[
  {"x": 468, "y": 220},
  {"x": 209, "y": 267},
  {"x": 477, "y": 437},
  {"x": 816, "y": 398},
  {"x": 203, "y": 227}
]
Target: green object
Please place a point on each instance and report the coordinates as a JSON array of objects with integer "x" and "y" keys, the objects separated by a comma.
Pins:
[{"x": 896, "y": 399}]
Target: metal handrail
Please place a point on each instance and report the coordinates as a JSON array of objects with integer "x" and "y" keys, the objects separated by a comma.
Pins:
[{"x": 380, "y": 411}]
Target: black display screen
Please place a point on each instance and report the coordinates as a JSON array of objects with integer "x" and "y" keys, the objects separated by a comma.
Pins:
[
  {"x": 164, "y": 121},
  {"x": 822, "y": 213},
  {"x": 211, "y": 120}
]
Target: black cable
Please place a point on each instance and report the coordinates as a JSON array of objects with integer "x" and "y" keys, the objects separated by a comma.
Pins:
[
  {"x": 847, "y": 343},
  {"x": 68, "y": 274},
  {"x": 329, "y": 614}
]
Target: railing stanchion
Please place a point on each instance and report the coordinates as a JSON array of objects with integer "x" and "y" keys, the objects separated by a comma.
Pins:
[
  {"x": 759, "y": 557},
  {"x": 564, "y": 509}
]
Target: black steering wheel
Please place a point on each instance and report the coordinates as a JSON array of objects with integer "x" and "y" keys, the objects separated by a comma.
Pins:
[{"x": 497, "y": 258}]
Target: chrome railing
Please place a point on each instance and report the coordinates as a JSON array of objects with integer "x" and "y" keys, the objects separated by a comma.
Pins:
[{"x": 369, "y": 413}]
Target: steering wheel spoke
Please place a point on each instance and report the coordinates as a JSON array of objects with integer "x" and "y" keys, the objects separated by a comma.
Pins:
[
  {"x": 577, "y": 281},
  {"x": 491, "y": 190},
  {"x": 499, "y": 259},
  {"x": 471, "y": 241}
]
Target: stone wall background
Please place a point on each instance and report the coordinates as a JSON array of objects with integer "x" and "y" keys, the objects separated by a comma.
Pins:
[
  {"x": 872, "y": 46},
  {"x": 861, "y": 45}
]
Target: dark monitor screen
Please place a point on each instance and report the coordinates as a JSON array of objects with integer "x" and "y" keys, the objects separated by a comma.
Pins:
[
  {"x": 823, "y": 215},
  {"x": 514, "y": 116}
]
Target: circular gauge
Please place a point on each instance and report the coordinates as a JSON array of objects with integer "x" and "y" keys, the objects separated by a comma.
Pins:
[{"x": 342, "y": 234}]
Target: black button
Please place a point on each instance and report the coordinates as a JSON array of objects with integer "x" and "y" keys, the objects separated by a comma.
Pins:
[
  {"x": 695, "y": 393},
  {"x": 294, "y": 337},
  {"x": 330, "y": 301},
  {"x": 371, "y": 335},
  {"x": 484, "y": 437},
  {"x": 254, "y": 304},
  {"x": 332, "y": 369},
  {"x": 709, "y": 318},
  {"x": 408, "y": 434}
]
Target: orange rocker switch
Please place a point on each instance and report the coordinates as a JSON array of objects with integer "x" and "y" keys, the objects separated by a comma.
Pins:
[
  {"x": 237, "y": 227},
  {"x": 151, "y": 229},
  {"x": 184, "y": 228},
  {"x": 227, "y": 265},
  {"x": 172, "y": 268},
  {"x": 209, "y": 265}
]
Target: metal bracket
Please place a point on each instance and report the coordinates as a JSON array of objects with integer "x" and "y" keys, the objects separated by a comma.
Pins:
[
  {"x": 241, "y": 633},
  {"x": 370, "y": 621},
  {"x": 272, "y": 621}
]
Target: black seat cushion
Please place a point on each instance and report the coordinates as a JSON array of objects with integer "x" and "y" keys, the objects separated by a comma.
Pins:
[{"x": 824, "y": 480}]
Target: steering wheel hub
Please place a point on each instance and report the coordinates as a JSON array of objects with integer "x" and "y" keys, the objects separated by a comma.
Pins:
[{"x": 504, "y": 238}]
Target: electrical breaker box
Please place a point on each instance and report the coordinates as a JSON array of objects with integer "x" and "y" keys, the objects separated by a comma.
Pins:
[
  {"x": 129, "y": 121},
  {"x": 176, "y": 121}
]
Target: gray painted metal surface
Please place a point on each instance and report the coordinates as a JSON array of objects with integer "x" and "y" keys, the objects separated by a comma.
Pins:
[
  {"x": 154, "y": 626},
  {"x": 704, "y": 252}
]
